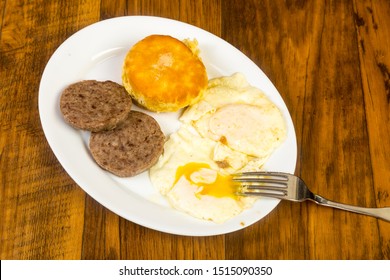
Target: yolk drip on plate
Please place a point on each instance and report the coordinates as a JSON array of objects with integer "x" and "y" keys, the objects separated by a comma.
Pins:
[{"x": 209, "y": 181}]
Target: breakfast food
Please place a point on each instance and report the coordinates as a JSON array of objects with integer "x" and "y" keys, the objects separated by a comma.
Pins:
[
  {"x": 187, "y": 175},
  {"x": 235, "y": 127},
  {"x": 95, "y": 105},
  {"x": 164, "y": 74},
  {"x": 129, "y": 149},
  {"x": 238, "y": 115}
]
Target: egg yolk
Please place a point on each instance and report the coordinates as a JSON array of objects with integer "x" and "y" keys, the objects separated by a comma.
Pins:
[{"x": 218, "y": 186}]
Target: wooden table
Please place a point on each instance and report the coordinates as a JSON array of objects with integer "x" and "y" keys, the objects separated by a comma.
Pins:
[{"x": 330, "y": 61}]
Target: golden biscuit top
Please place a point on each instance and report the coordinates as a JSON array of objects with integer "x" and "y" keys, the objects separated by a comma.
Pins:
[{"x": 164, "y": 74}]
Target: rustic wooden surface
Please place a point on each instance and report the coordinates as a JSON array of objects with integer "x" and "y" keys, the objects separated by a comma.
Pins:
[{"x": 330, "y": 60}]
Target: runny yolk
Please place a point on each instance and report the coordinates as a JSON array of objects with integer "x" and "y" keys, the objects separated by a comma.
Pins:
[{"x": 222, "y": 186}]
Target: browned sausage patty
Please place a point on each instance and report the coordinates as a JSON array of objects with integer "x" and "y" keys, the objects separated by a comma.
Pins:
[
  {"x": 95, "y": 105},
  {"x": 129, "y": 149}
]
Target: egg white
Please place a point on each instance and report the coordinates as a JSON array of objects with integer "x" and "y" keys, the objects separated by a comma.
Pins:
[
  {"x": 187, "y": 146},
  {"x": 238, "y": 115},
  {"x": 235, "y": 127}
]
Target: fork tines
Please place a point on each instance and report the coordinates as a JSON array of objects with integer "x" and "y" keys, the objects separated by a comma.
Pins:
[{"x": 269, "y": 184}]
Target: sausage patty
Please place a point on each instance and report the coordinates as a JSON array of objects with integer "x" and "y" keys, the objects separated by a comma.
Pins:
[
  {"x": 129, "y": 149},
  {"x": 95, "y": 105}
]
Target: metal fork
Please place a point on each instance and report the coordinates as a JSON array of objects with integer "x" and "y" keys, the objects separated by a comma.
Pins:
[{"x": 289, "y": 187}]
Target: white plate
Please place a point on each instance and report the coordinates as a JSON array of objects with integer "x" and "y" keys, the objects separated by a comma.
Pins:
[{"x": 97, "y": 52}]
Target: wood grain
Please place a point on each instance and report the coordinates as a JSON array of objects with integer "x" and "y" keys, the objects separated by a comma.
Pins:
[
  {"x": 330, "y": 61},
  {"x": 42, "y": 210},
  {"x": 372, "y": 22}
]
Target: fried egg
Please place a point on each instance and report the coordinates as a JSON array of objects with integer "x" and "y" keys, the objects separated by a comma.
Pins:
[
  {"x": 235, "y": 127},
  {"x": 191, "y": 180},
  {"x": 239, "y": 116}
]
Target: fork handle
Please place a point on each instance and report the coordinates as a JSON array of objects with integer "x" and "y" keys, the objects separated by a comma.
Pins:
[{"x": 381, "y": 213}]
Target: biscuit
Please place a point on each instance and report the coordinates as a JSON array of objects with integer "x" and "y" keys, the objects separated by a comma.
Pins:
[
  {"x": 95, "y": 105},
  {"x": 130, "y": 148},
  {"x": 163, "y": 74}
]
